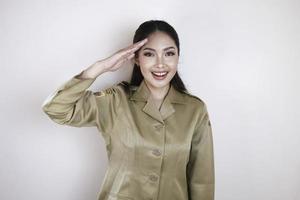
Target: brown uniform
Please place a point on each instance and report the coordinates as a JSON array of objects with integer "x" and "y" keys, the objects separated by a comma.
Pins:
[{"x": 153, "y": 154}]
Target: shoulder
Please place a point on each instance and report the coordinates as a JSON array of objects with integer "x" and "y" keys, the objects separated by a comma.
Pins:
[
  {"x": 200, "y": 108},
  {"x": 115, "y": 89},
  {"x": 119, "y": 89},
  {"x": 124, "y": 87},
  {"x": 195, "y": 101}
]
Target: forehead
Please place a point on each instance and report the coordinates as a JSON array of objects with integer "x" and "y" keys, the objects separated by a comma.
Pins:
[{"x": 159, "y": 40}]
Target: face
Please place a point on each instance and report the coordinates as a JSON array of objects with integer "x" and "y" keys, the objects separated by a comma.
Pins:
[{"x": 158, "y": 60}]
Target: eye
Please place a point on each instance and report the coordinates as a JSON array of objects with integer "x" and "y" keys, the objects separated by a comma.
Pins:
[
  {"x": 148, "y": 54},
  {"x": 170, "y": 53}
]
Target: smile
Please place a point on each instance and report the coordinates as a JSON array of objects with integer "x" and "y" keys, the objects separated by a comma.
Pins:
[{"x": 159, "y": 75}]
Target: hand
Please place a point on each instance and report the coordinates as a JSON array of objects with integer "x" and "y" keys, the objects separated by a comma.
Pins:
[
  {"x": 113, "y": 62},
  {"x": 116, "y": 60}
]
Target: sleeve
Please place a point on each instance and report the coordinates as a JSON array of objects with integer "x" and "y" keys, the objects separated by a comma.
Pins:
[
  {"x": 200, "y": 168},
  {"x": 73, "y": 104}
]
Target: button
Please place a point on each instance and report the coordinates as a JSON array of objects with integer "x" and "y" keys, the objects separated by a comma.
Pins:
[
  {"x": 156, "y": 152},
  {"x": 158, "y": 126},
  {"x": 153, "y": 177}
]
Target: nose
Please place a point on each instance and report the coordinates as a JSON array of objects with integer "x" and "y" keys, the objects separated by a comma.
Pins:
[{"x": 160, "y": 62}]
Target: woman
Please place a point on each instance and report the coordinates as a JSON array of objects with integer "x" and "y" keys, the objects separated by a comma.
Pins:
[{"x": 158, "y": 136}]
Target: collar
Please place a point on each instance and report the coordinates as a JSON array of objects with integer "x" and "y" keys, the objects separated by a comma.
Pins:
[{"x": 142, "y": 93}]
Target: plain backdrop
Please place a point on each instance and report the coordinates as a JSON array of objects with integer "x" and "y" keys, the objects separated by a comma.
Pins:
[{"x": 239, "y": 56}]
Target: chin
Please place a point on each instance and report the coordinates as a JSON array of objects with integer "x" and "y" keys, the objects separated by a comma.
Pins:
[{"x": 159, "y": 84}]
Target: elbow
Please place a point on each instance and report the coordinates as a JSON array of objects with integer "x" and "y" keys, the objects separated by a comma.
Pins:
[{"x": 58, "y": 117}]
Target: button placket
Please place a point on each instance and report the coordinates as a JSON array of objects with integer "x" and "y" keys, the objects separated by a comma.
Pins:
[{"x": 157, "y": 151}]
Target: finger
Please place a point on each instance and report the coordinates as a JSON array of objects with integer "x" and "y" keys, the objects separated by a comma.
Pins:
[
  {"x": 141, "y": 43},
  {"x": 121, "y": 61},
  {"x": 127, "y": 52},
  {"x": 131, "y": 56},
  {"x": 131, "y": 49},
  {"x": 137, "y": 45},
  {"x": 123, "y": 58},
  {"x": 128, "y": 56}
]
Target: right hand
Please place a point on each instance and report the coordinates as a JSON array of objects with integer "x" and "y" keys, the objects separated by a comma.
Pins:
[{"x": 113, "y": 62}]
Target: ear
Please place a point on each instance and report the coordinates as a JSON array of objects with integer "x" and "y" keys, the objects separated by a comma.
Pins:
[{"x": 136, "y": 61}]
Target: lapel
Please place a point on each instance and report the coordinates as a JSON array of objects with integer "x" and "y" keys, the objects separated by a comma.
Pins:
[{"x": 142, "y": 93}]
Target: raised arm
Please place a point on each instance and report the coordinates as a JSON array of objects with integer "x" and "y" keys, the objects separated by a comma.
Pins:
[{"x": 73, "y": 104}]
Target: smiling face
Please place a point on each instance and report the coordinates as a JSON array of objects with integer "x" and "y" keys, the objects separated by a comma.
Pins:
[{"x": 158, "y": 60}]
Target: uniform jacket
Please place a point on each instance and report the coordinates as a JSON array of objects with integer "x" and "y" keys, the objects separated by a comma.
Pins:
[{"x": 153, "y": 154}]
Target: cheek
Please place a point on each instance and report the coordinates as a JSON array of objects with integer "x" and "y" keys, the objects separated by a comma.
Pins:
[
  {"x": 144, "y": 70},
  {"x": 145, "y": 65},
  {"x": 172, "y": 64},
  {"x": 173, "y": 60},
  {"x": 147, "y": 62}
]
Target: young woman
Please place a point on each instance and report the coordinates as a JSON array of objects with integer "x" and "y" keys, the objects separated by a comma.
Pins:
[{"x": 158, "y": 136}]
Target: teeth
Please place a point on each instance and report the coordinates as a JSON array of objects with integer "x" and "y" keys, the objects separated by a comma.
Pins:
[{"x": 160, "y": 73}]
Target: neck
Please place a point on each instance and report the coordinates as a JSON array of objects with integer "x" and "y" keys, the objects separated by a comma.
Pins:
[{"x": 158, "y": 93}]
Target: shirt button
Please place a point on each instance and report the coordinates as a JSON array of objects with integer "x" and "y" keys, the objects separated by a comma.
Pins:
[
  {"x": 158, "y": 126},
  {"x": 153, "y": 177},
  {"x": 156, "y": 152}
]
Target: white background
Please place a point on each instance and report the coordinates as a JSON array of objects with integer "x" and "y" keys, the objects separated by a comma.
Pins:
[{"x": 241, "y": 57}]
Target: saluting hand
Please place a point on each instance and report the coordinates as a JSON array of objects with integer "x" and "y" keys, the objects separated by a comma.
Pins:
[
  {"x": 116, "y": 60},
  {"x": 113, "y": 62}
]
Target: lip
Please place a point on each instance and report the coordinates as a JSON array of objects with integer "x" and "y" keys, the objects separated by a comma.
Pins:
[{"x": 159, "y": 77}]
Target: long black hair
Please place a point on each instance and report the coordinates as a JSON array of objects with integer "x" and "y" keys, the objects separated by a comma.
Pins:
[{"x": 143, "y": 31}]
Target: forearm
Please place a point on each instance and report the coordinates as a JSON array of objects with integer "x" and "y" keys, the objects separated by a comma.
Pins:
[{"x": 92, "y": 71}]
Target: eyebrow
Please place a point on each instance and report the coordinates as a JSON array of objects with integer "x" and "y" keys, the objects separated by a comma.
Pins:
[{"x": 163, "y": 49}]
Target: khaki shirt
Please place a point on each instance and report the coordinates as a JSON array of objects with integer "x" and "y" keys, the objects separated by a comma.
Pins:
[{"x": 153, "y": 154}]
